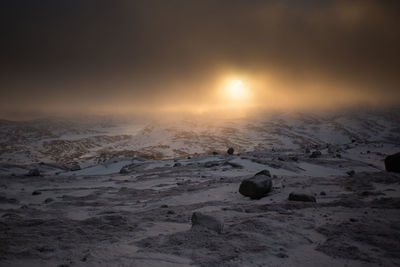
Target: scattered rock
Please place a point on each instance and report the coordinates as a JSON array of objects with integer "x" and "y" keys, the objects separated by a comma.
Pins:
[
  {"x": 164, "y": 206},
  {"x": 124, "y": 170},
  {"x": 307, "y": 150},
  {"x": 74, "y": 167},
  {"x": 33, "y": 172},
  {"x": 322, "y": 193},
  {"x": 207, "y": 221},
  {"x": 210, "y": 164},
  {"x": 48, "y": 200},
  {"x": 234, "y": 165},
  {"x": 230, "y": 151},
  {"x": 36, "y": 192},
  {"x": 301, "y": 197},
  {"x": 178, "y": 164},
  {"x": 215, "y": 153},
  {"x": 315, "y": 154},
  {"x": 392, "y": 163},
  {"x": 351, "y": 173},
  {"x": 257, "y": 186}
]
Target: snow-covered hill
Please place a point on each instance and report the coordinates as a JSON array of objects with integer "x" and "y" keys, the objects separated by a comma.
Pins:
[{"x": 58, "y": 140}]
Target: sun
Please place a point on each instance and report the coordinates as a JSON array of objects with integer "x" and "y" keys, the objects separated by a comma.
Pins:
[{"x": 236, "y": 89}]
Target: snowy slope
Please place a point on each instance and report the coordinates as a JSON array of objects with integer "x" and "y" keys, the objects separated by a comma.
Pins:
[{"x": 68, "y": 141}]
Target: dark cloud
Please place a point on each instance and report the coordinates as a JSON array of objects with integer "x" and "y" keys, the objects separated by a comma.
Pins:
[{"x": 85, "y": 53}]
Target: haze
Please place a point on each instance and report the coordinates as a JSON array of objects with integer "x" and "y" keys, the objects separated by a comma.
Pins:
[{"x": 113, "y": 57}]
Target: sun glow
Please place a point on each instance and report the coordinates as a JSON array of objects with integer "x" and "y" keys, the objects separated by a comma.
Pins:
[{"x": 236, "y": 90}]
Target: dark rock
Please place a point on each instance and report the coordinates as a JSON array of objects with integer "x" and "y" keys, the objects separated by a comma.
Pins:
[
  {"x": 48, "y": 200},
  {"x": 281, "y": 159},
  {"x": 207, "y": 221},
  {"x": 164, "y": 206},
  {"x": 351, "y": 173},
  {"x": 234, "y": 165},
  {"x": 322, "y": 193},
  {"x": 124, "y": 170},
  {"x": 33, "y": 172},
  {"x": 230, "y": 151},
  {"x": 301, "y": 197},
  {"x": 210, "y": 164},
  {"x": 215, "y": 153},
  {"x": 257, "y": 186},
  {"x": 392, "y": 163},
  {"x": 170, "y": 212},
  {"x": 294, "y": 159},
  {"x": 315, "y": 154},
  {"x": 178, "y": 164},
  {"x": 264, "y": 172},
  {"x": 307, "y": 150},
  {"x": 74, "y": 167},
  {"x": 36, "y": 192}
]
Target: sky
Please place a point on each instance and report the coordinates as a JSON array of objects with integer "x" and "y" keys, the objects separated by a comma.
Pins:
[{"x": 196, "y": 56}]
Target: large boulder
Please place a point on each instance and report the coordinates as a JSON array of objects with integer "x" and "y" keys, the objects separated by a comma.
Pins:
[
  {"x": 301, "y": 197},
  {"x": 257, "y": 186},
  {"x": 392, "y": 163},
  {"x": 207, "y": 221}
]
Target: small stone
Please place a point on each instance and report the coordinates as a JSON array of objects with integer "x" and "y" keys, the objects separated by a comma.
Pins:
[
  {"x": 36, "y": 192},
  {"x": 48, "y": 200},
  {"x": 351, "y": 173},
  {"x": 230, "y": 151},
  {"x": 315, "y": 154},
  {"x": 33, "y": 172},
  {"x": 301, "y": 197},
  {"x": 207, "y": 221},
  {"x": 124, "y": 170}
]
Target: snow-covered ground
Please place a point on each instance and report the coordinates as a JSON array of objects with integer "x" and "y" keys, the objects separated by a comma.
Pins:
[
  {"x": 66, "y": 141},
  {"x": 130, "y": 200}
]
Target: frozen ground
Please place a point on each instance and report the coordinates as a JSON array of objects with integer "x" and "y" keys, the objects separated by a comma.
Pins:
[{"x": 97, "y": 216}]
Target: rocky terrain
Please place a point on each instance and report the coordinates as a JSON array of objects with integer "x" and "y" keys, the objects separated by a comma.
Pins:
[{"x": 157, "y": 195}]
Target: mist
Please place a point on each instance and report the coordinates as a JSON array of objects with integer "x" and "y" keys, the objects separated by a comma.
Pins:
[{"x": 151, "y": 57}]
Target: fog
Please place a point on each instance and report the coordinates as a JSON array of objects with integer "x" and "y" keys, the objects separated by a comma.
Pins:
[{"x": 159, "y": 57}]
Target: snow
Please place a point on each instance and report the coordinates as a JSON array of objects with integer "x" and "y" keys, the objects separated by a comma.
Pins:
[{"x": 99, "y": 217}]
